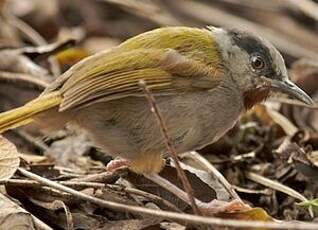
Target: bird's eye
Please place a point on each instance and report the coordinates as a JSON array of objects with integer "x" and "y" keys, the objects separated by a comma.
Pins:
[{"x": 257, "y": 62}]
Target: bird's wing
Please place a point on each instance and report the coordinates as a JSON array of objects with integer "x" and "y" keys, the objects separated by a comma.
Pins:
[{"x": 117, "y": 75}]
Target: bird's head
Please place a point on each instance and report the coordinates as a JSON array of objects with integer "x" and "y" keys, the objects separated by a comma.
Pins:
[{"x": 256, "y": 66}]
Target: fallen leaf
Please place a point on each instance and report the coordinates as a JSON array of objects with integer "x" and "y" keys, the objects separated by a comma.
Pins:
[
  {"x": 57, "y": 205},
  {"x": 9, "y": 159},
  {"x": 202, "y": 190},
  {"x": 32, "y": 159},
  {"x": 251, "y": 214},
  {"x": 12, "y": 216}
]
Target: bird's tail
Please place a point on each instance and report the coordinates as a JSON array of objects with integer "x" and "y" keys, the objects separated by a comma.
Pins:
[{"x": 25, "y": 114}]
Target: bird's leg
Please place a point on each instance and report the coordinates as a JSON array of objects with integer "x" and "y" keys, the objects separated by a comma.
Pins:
[{"x": 210, "y": 208}]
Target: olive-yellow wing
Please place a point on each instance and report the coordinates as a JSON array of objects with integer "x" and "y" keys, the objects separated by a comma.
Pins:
[{"x": 115, "y": 75}]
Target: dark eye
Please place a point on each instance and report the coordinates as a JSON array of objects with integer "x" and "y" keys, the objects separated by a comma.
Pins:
[{"x": 257, "y": 62}]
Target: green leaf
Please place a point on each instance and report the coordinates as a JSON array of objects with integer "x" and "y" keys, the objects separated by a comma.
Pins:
[{"x": 310, "y": 204}]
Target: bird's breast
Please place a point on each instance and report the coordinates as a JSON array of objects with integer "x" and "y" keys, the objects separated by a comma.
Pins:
[{"x": 128, "y": 128}]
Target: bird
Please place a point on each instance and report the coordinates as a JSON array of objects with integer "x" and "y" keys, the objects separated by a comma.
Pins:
[{"x": 203, "y": 80}]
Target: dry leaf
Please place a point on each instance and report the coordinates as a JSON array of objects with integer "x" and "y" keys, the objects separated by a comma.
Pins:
[
  {"x": 252, "y": 214},
  {"x": 202, "y": 190},
  {"x": 14, "y": 217},
  {"x": 9, "y": 159},
  {"x": 31, "y": 158},
  {"x": 58, "y": 205}
]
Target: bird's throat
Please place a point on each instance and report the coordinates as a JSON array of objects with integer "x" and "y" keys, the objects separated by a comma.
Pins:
[{"x": 255, "y": 96}]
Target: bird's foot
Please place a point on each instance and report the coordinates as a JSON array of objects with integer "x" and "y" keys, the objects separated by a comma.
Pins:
[
  {"x": 117, "y": 164},
  {"x": 219, "y": 206}
]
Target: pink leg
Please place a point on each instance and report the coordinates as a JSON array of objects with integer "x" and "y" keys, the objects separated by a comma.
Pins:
[{"x": 116, "y": 164}]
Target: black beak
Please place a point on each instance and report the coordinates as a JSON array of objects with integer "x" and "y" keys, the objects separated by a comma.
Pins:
[{"x": 291, "y": 89}]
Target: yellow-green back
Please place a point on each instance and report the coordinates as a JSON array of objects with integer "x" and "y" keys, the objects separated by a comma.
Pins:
[
  {"x": 196, "y": 44},
  {"x": 157, "y": 56}
]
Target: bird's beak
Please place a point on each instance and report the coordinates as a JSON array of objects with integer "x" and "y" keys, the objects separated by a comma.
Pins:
[{"x": 291, "y": 89}]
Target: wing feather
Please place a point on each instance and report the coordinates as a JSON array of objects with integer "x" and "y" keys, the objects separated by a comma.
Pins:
[{"x": 164, "y": 70}]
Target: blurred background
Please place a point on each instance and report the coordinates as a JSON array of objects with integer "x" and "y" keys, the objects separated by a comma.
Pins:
[{"x": 290, "y": 24}]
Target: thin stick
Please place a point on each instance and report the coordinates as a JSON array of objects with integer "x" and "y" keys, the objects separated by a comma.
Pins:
[
  {"x": 36, "y": 142},
  {"x": 150, "y": 196},
  {"x": 27, "y": 79},
  {"x": 274, "y": 185},
  {"x": 172, "y": 215},
  {"x": 104, "y": 177},
  {"x": 82, "y": 185},
  {"x": 306, "y": 6},
  {"x": 277, "y": 186},
  {"x": 34, "y": 37},
  {"x": 171, "y": 150}
]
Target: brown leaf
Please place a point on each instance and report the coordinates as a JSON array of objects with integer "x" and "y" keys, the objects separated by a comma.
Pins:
[
  {"x": 202, "y": 189},
  {"x": 14, "y": 217},
  {"x": 252, "y": 214},
  {"x": 9, "y": 159},
  {"x": 57, "y": 205}
]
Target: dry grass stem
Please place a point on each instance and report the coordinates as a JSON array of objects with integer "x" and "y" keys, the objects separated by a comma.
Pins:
[
  {"x": 277, "y": 186},
  {"x": 171, "y": 150}
]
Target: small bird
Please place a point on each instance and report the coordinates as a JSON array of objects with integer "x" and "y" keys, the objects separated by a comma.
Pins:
[{"x": 202, "y": 80}]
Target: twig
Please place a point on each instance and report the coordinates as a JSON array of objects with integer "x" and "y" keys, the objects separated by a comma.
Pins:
[
  {"x": 277, "y": 186},
  {"x": 147, "y": 10},
  {"x": 289, "y": 128},
  {"x": 274, "y": 185},
  {"x": 266, "y": 192},
  {"x": 82, "y": 185},
  {"x": 307, "y": 7},
  {"x": 171, "y": 150},
  {"x": 34, "y": 37},
  {"x": 23, "y": 78},
  {"x": 36, "y": 142},
  {"x": 171, "y": 215},
  {"x": 105, "y": 177},
  {"x": 211, "y": 169},
  {"x": 150, "y": 196},
  {"x": 35, "y": 184}
]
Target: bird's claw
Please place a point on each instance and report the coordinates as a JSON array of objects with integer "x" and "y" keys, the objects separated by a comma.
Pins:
[
  {"x": 117, "y": 164},
  {"x": 218, "y": 206}
]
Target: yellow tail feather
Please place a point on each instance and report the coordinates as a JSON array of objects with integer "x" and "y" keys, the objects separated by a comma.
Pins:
[{"x": 24, "y": 114}]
